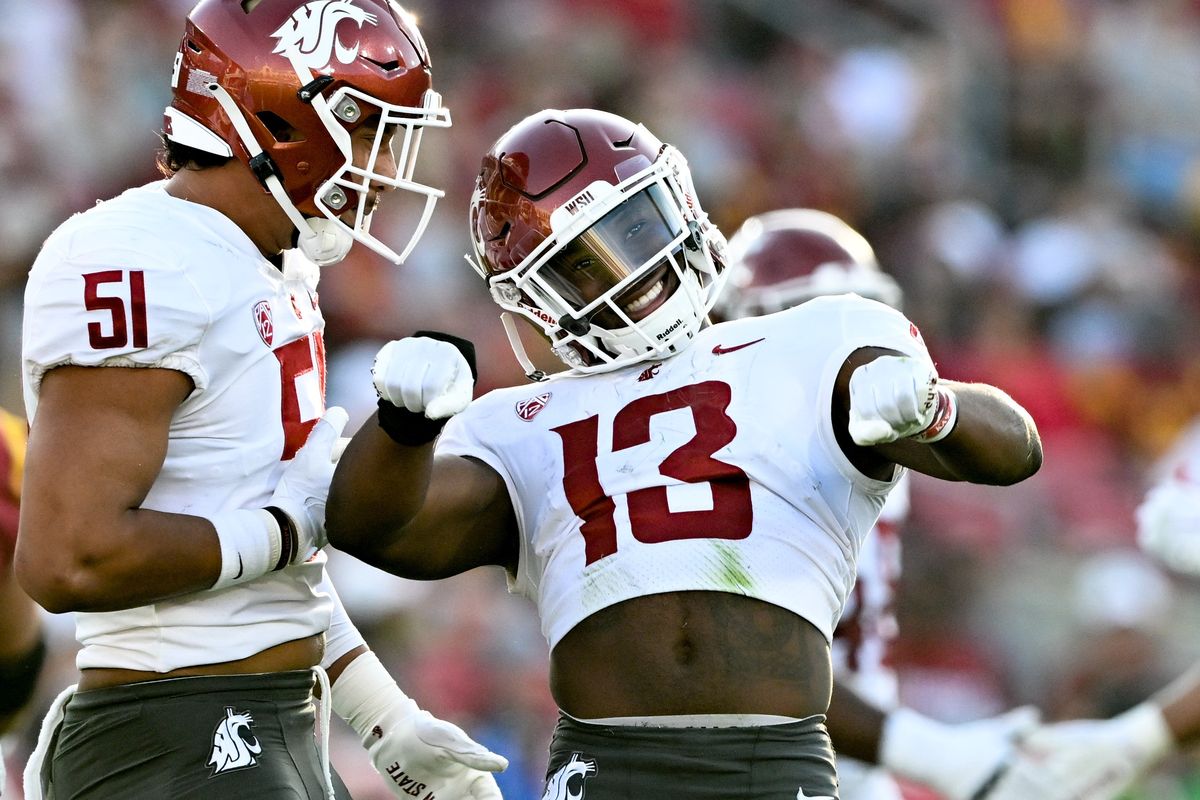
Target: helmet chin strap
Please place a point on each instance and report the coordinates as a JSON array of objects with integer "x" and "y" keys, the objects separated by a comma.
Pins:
[{"x": 322, "y": 241}]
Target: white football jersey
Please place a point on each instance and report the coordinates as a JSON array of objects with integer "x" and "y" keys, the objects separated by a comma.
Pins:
[
  {"x": 149, "y": 280},
  {"x": 716, "y": 469}
]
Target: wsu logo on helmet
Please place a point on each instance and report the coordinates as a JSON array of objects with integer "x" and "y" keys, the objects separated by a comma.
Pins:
[
  {"x": 234, "y": 747},
  {"x": 567, "y": 782},
  {"x": 310, "y": 35}
]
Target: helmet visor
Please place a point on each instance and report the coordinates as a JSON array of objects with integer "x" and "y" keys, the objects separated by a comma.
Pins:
[{"x": 626, "y": 242}]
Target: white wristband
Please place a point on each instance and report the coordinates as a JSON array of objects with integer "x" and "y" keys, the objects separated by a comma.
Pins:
[
  {"x": 366, "y": 696},
  {"x": 944, "y": 419},
  {"x": 251, "y": 544}
]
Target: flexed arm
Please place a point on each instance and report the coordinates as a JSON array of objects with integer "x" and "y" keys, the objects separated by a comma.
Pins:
[
  {"x": 894, "y": 409},
  {"x": 393, "y": 504}
]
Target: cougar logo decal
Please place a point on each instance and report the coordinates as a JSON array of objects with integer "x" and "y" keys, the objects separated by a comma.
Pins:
[
  {"x": 567, "y": 782},
  {"x": 234, "y": 747},
  {"x": 310, "y": 35}
]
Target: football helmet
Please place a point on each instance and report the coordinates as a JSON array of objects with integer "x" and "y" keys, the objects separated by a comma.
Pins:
[
  {"x": 587, "y": 225},
  {"x": 781, "y": 258},
  {"x": 285, "y": 86}
]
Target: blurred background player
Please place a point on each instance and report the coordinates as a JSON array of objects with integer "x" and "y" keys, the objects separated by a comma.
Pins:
[
  {"x": 685, "y": 503},
  {"x": 180, "y": 450},
  {"x": 22, "y": 646},
  {"x": 1101, "y": 759},
  {"x": 777, "y": 260}
]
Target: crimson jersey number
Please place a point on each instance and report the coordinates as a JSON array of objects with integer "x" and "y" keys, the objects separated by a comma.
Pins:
[
  {"x": 651, "y": 519},
  {"x": 124, "y": 321},
  {"x": 302, "y": 368},
  {"x": 301, "y": 363}
]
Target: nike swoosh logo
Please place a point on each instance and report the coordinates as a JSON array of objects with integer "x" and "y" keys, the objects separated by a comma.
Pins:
[
  {"x": 720, "y": 351},
  {"x": 239, "y": 574}
]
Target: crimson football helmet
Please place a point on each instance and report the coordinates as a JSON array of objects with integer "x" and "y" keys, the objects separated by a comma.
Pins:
[
  {"x": 284, "y": 85},
  {"x": 782, "y": 258},
  {"x": 587, "y": 225}
]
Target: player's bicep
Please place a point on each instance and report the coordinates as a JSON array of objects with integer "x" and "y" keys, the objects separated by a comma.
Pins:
[
  {"x": 467, "y": 521},
  {"x": 96, "y": 445}
]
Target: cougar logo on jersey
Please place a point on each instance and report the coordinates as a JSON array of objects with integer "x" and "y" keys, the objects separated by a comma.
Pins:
[
  {"x": 264, "y": 321},
  {"x": 528, "y": 409},
  {"x": 567, "y": 782},
  {"x": 234, "y": 747},
  {"x": 310, "y": 35}
]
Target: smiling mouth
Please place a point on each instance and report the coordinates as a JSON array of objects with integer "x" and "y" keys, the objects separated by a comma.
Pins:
[
  {"x": 649, "y": 296},
  {"x": 641, "y": 299}
]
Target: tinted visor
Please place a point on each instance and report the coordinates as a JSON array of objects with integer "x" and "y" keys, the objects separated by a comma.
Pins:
[{"x": 629, "y": 240}]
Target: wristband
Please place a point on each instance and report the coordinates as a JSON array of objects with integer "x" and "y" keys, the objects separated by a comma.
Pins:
[
  {"x": 408, "y": 427},
  {"x": 944, "y": 419},
  {"x": 366, "y": 696},
  {"x": 289, "y": 537},
  {"x": 251, "y": 542},
  {"x": 411, "y": 428}
]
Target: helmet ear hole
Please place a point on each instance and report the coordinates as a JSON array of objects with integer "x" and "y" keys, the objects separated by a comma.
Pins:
[{"x": 279, "y": 128}]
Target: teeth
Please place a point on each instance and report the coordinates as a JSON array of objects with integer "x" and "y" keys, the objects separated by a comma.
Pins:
[{"x": 649, "y": 297}]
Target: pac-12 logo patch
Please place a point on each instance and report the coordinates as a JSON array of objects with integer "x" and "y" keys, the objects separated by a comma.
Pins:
[
  {"x": 310, "y": 34},
  {"x": 567, "y": 782},
  {"x": 264, "y": 321},
  {"x": 234, "y": 747},
  {"x": 528, "y": 409}
]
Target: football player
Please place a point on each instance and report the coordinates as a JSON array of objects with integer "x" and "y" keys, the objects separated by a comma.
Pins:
[
  {"x": 777, "y": 260},
  {"x": 22, "y": 646},
  {"x": 180, "y": 450},
  {"x": 1100, "y": 759},
  {"x": 684, "y": 503}
]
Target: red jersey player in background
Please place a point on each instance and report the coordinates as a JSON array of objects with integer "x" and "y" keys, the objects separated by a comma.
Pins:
[{"x": 780, "y": 259}]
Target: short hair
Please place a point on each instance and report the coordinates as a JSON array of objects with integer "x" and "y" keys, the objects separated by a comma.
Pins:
[{"x": 173, "y": 156}]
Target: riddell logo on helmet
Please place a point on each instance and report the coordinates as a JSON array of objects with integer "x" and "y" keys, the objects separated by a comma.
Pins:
[
  {"x": 670, "y": 329},
  {"x": 310, "y": 34}
]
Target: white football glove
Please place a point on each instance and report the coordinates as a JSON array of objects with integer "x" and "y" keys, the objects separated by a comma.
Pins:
[
  {"x": 425, "y": 376},
  {"x": 892, "y": 397},
  {"x": 424, "y": 756},
  {"x": 304, "y": 485},
  {"x": 417, "y": 754},
  {"x": 958, "y": 761},
  {"x": 1168, "y": 523},
  {"x": 1087, "y": 759}
]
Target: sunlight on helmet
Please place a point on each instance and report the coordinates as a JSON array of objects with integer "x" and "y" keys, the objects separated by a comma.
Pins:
[{"x": 325, "y": 101}]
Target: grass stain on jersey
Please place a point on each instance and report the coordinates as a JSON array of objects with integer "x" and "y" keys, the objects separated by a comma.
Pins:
[{"x": 732, "y": 574}]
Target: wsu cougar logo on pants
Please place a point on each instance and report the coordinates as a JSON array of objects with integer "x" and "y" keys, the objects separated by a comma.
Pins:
[
  {"x": 234, "y": 747},
  {"x": 567, "y": 782}
]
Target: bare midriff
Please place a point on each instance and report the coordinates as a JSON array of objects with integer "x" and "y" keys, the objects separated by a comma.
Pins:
[
  {"x": 692, "y": 653},
  {"x": 296, "y": 654}
]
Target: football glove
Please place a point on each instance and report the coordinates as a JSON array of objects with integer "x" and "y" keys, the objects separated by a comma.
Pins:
[
  {"x": 417, "y": 754},
  {"x": 958, "y": 761},
  {"x": 423, "y": 375},
  {"x": 896, "y": 397},
  {"x": 304, "y": 485},
  {"x": 1087, "y": 759}
]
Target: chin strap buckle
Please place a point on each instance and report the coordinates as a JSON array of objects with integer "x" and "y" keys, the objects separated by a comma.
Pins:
[{"x": 263, "y": 167}]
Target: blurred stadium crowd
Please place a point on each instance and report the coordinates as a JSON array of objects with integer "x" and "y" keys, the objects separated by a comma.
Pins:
[{"x": 1029, "y": 170}]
